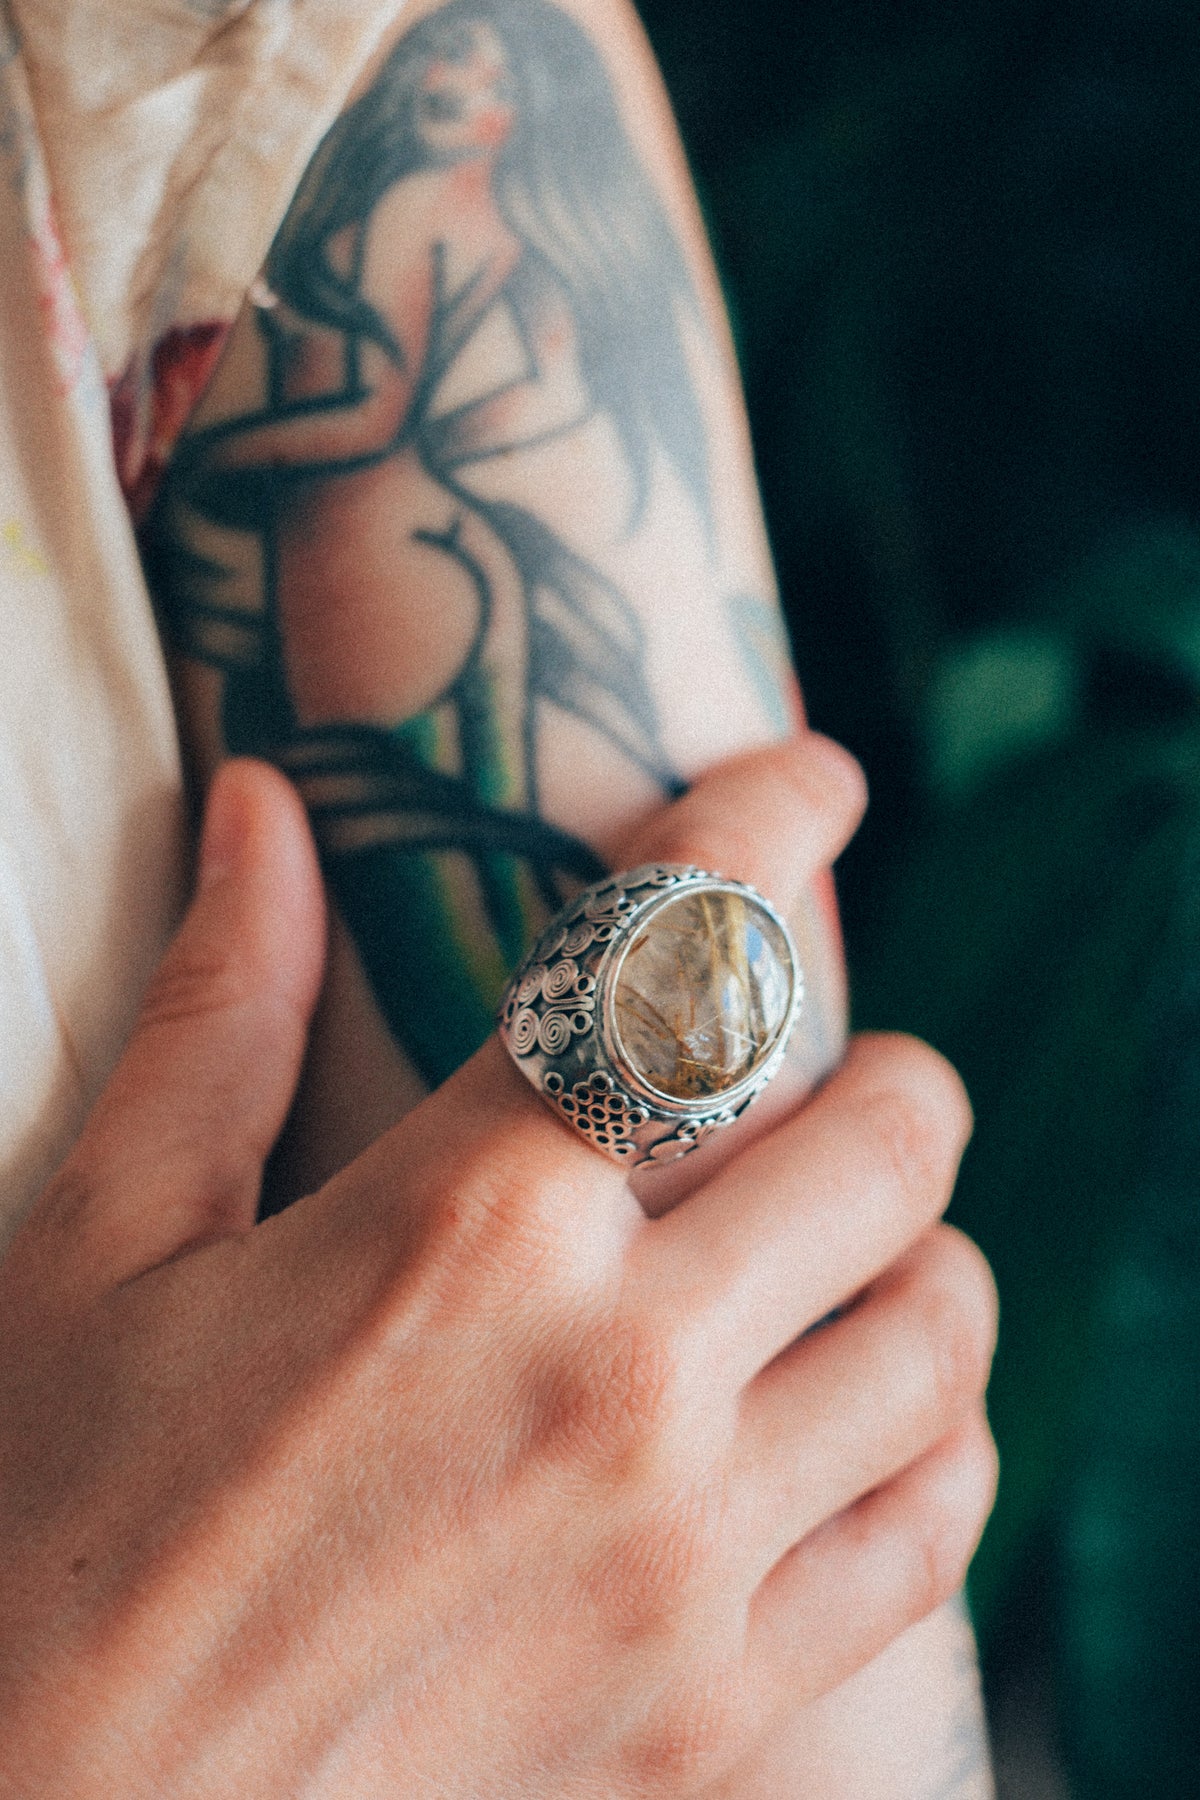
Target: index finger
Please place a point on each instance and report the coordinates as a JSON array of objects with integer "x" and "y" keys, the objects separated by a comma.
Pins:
[
  {"x": 773, "y": 817},
  {"x": 482, "y": 1153}
]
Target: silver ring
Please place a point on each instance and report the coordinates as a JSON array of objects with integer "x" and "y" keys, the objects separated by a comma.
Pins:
[{"x": 655, "y": 1009}]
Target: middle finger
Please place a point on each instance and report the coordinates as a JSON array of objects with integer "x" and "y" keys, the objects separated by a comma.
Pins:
[{"x": 805, "y": 1217}]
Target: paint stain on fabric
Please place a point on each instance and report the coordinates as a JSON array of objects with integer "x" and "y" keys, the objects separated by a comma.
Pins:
[{"x": 19, "y": 552}]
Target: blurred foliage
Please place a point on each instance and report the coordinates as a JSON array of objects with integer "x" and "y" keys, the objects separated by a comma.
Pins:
[{"x": 963, "y": 258}]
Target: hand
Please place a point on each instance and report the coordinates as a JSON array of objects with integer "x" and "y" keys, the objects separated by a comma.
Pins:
[{"x": 463, "y": 1477}]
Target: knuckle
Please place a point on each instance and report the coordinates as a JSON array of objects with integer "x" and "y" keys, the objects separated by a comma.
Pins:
[
  {"x": 981, "y": 1471},
  {"x": 848, "y": 771},
  {"x": 615, "y": 1396},
  {"x": 189, "y": 985},
  {"x": 639, "y": 1585},
  {"x": 623, "y": 1427},
  {"x": 973, "y": 1274},
  {"x": 643, "y": 1377},
  {"x": 665, "y": 1559},
  {"x": 941, "y": 1564},
  {"x": 897, "y": 1059},
  {"x": 957, "y": 1299},
  {"x": 919, "y": 1117},
  {"x": 984, "y": 1465},
  {"x": 494, "y": 1233},
  {"x": 909, "y": 1147},
  {"x": 694, "y": 1736},
  {"x": 953, "y": 1517},
  {"x": 64, "y": 1203}
]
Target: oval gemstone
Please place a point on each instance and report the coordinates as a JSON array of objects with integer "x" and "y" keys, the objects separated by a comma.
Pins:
[{"x": 702, "y": 995}]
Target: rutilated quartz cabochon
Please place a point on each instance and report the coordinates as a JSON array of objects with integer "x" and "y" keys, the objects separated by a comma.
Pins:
[
  {"x": 654, "y": 1008},
  {"x": 701, "y": 995}
]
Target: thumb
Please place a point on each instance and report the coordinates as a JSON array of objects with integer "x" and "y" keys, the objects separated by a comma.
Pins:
[{"x": 172, "y": 1155}]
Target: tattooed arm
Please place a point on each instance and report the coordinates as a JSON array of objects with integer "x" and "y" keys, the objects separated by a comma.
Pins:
[
  {"x": 456, "y": 536},
  {"x": 462, "y": 539}
]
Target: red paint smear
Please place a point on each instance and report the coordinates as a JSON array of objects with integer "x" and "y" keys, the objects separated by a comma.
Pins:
[{"x": 151, "y": 407}]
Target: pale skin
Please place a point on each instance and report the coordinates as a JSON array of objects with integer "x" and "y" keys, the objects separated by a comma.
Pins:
[
  {"x": 375, "y": 620},
  {"x": 276, "y": 1499}
]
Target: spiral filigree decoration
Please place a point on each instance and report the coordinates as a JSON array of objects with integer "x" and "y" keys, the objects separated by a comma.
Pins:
[
  {"x": 530, "y": 985},
  {"x": 559, "y": 981},
  {"x": 554, "y": 1033},
  {"x": 523, "y": 1032}
]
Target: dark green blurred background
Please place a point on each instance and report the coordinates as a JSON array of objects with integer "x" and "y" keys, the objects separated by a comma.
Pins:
[{"x": 962, "y": 249}]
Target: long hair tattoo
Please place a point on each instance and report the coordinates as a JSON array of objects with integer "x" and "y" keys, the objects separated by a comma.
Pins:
[{"x": 568, "y": 185}]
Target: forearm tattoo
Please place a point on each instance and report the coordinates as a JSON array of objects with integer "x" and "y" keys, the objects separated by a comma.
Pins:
[{"x": 476, "y": 269}]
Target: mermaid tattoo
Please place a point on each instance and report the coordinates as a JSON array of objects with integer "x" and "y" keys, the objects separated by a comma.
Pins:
[{"x": 475, "y": 276}]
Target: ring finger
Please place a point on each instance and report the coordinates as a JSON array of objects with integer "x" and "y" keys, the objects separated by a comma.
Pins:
[
  {"x": 836, "y": 1600},
  {"x": 845, "y": 1410}
]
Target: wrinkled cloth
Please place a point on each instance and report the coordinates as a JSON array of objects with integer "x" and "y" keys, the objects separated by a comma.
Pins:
[{"x": 148, "y": 149}]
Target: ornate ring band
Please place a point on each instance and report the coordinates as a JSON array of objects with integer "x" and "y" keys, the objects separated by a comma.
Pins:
[{"x": 654, "y": 1009}]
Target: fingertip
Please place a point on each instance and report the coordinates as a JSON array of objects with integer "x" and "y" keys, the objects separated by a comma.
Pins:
[
  {"x": 956, "y": 1482},
  {"x": 225, "y": 830},
  {"x": 973, "y": 1273},
  {"x": 256, "y": 843},
  {"x": 896, "y": 1058}
]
